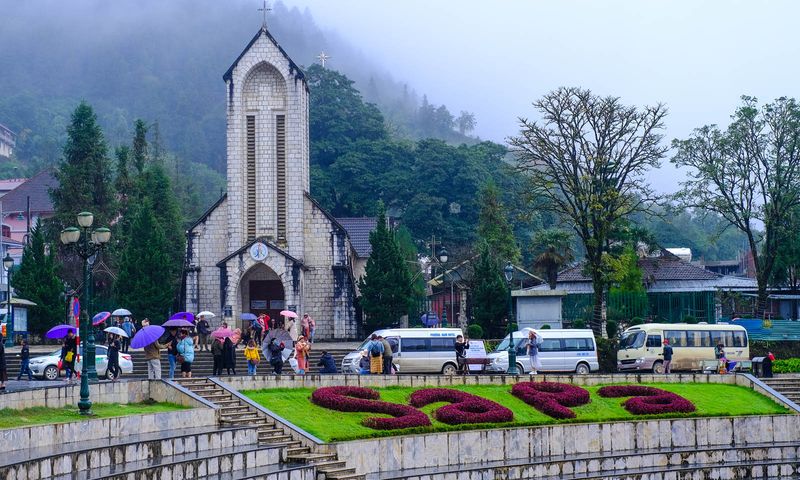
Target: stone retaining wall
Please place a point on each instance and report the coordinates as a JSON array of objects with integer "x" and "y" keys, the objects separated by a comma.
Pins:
[
  {"x": 101, "y": 428},
  {"x": 123, "y": 392},
  {"x": 453, "y": 449}
]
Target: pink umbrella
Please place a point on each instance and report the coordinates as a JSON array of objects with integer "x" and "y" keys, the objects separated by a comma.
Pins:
[
  {"x": 288, "y": 313},
  {"x": 100, "y": 318},
  {"x": 222, "y": 333}
]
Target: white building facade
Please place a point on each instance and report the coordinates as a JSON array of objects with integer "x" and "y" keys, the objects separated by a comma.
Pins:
[{"x": 266, "y": 245}]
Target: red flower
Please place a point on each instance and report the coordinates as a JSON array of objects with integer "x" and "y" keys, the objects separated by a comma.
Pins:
[
  {"x": 551, "y": 398},
  {"x": 647, "y": 400},
  {"x": 359, "y": 399},
  {"x": 464, "y": 407}
]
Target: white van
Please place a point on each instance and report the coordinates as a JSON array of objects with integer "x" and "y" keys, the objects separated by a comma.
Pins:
[
  {"x": 641, "y": 347},
  {"x": 414, "y": 350},
  {"x": 569, "y": 350}
]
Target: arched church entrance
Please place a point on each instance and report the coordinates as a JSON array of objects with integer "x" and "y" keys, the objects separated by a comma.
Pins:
[{"x": 262, "y": 291}]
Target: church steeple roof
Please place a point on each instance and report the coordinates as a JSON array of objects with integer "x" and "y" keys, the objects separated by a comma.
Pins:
[{"x": 293, "y": 68}]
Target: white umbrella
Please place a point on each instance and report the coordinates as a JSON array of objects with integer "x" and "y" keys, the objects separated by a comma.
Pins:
[
  {"x": 121, "y": 312},
  {"x": 206, "y": 313},
  {"x": 116, "y": 331}
]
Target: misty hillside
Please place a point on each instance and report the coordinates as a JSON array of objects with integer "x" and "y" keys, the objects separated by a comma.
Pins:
[{"x": 163, "y": 61}]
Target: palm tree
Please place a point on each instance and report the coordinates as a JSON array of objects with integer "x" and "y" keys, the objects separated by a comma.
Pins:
[{"x": 552, "y": 250}]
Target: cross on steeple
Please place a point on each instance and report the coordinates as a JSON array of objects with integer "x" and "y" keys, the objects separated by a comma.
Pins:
[
  {"x": 265, "y": 9},
  {"x": 322, "y": 57}
]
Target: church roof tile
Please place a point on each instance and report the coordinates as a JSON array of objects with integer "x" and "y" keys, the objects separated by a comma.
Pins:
[{"x": 358, "y": 229}]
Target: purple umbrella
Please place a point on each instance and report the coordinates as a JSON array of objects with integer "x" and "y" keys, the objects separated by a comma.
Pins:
[
  {"x": 100, "y": 318},
  {"x": 249, "y": 316},
  {"x": 180, "y": 323},
  {"x": 146, "y": 336},
  {"x": 60, "y": 331},
  {"x": 188, "y": 316}
]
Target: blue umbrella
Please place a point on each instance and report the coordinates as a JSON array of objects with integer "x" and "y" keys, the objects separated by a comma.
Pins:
[
  {"x": 249, "y": 316},
  {"x": 60, "y": 331},
  {"x": 146, "y": 336},
  {"x": 188, "y": 316}
]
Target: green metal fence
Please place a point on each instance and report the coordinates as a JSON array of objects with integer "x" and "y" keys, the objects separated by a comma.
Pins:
[{"x": 656, "y": 307}]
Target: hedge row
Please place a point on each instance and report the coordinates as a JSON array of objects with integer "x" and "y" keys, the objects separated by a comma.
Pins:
[
  {"x": 464, "y": 407},
  {"x": 359, "y": 399},
  {"x": 648, "y": 400},
  {"x": 551, "y": 398}
]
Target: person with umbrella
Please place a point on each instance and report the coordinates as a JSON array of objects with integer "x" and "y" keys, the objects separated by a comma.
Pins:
[
  {"x": 113, "y": 355},
  {"x": 276, "y": 355},
  {"x": 229, "y": 355},
  {"x": 203, "y": 330},
  {"x": 185, "y": 350},
  {"x": 127, "y": 325},
  {"x": 69, "y": 352},
  {"x": 172, "y": 350}
]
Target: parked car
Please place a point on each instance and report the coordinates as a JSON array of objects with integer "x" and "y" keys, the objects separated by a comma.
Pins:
[
  {"x": 569, "y": 350},
  {"x": 414, "y": 350},
  {"x": 46, "y": 366}
]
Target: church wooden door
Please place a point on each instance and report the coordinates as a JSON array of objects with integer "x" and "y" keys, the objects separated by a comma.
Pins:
[{"x": 266, "y": 296}]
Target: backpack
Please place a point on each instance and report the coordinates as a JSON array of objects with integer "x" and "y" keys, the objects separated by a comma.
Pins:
[{"x": 375, "y": 350}]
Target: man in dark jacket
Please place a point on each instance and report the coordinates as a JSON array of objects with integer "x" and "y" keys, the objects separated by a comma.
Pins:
[
  {"x": 25, "y": 361},
  {"x": 667, "y": 357},
  {"x": 387, "y": 356},
  {"x": 275, "y": 355},
  {"x": 327, "y": 363},
  {"x": 203, "y": 331}
]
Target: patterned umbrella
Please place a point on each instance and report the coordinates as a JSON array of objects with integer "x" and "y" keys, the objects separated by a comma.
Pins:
[{"x": 100, "y": 318}]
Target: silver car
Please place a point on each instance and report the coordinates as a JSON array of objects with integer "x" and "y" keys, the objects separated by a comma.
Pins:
[{"x": 46, "y": 366}]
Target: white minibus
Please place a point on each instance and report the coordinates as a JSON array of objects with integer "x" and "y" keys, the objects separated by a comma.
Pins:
[
  {"x": 641, "y": 347},
  {"x": 570, "y": 350},
  {"x": 414, "y": 350}
]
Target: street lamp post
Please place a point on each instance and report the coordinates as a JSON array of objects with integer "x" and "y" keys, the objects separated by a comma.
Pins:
[
  {"x": 508, "y": 271},
  {"x": 8, "y": 264},
  {"x": 442, "y": 261},
  {"x": 92, "y": 241}
]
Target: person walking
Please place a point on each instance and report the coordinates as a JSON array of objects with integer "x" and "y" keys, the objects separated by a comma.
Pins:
[
  {"x": 375, "y": 349},
  {"x": 387, "y": 356},
  {"x": 113, "y": 357},
  {"x": 3, "y": 369},
  {"x": 217, "y": 352},
  {"x": 312, "y": 328},
  {"x": 275, "y": 351},
  {"x": 69, "y": 352},
  {"x": 127, "y": 325},
  {"x": 667, "y": 357},
  {"x": 257, "y": 329},
  {"x": 327, "y": 363},
  {"x": 291, "y": 327},
  {"x": 203, "y": 331},
  {"x": 172, "y": 351},
  {"x": 229, "y": 356},
  {"x": 185, "y": 351},
  {"x": 534, "y": 341},
  {"x": 461, "y": 346},
  {"x": 252, "y": 356},
  {"x": 25, "y": 362},
  {"x": 301, "y": 349},
  {"x": 305, "y": 328},
  {"x": 152, "y": 355}
]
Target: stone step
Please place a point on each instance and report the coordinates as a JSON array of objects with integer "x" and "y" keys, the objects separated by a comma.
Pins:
[
  {"x": 316, "y": 458},
  {"x": 340, "y": 473},
  {"x": 65, "y": 459},
  {"x": 271, "y": 472},
  {"x": 298, "y": 451}
]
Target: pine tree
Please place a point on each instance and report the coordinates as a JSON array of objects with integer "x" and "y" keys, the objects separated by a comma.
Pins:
[
  {"x": 489, "y": 294},
  {"x": 37, "y": 280},
  {"x": 386, "y": 291},
  {"x": 140, "y": 145},
  {"x": 84, "y": 173},
  {"x": 143, "y": 284},
  {"x": 493, "y": 226}
]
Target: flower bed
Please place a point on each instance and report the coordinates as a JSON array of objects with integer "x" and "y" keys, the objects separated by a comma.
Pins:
[
  {"x": 648, "y": 400},
  {"x": 551, "y": 398},
  {"x": 464, "y": 407},
  {"x": 359, "y": 399}
]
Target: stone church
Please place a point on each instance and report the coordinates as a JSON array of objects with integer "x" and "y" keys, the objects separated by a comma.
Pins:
[{"x": 267, "y": 245}]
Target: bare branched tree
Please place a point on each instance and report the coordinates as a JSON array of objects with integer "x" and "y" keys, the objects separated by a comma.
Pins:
[
  {"x": 750, "y": 175},
  {"x": 586, "y": 157}
]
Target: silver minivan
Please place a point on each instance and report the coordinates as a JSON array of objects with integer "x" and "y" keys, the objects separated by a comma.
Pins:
[
  {"x": 569, "y": 350},
  {"x": 414, "y": 350}
]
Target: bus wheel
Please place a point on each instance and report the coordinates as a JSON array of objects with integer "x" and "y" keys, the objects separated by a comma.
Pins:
[
  {"x": 658, "y": 368},
  {"x": 582, "y": 369}
]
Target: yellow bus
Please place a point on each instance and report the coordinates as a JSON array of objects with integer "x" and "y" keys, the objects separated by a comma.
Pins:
[{"x": 641, "y": 347}]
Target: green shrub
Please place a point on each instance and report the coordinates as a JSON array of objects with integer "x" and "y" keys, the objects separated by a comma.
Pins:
[
  {"x": 636, "y": 321},
  {"x": 607, "y": 354},
  {"x": 545, "y": 327},
  {"x": 611, "y": 328},
  {"x": 782, "y": 349},
  {"x": 690, "y": 319},
  {"x": 579, "y": 324},
  {"x": 474, "y": 331},
  {"x": 790, "y": 365}
]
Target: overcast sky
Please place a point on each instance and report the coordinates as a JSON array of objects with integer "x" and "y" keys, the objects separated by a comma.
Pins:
[{"x": 494, "y": 58}]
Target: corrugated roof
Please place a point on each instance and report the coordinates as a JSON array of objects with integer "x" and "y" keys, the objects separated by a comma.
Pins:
[
  {"x": 654, "y": 269},
  {"x": 37, "y": 188},
  {"x": 358, "y": 229}
]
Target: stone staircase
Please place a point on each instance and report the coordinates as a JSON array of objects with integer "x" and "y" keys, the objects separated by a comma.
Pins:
[
  {"x": 788, "y": 386},
  {"x": 235, "y": 412},
  {"x": 186, "y": 453}
]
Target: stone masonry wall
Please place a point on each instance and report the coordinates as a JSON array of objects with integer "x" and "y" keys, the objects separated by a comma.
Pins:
[{"x": 209, "y": 244}]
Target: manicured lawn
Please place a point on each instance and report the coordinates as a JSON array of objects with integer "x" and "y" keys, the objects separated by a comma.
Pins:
[
  {"x": 10, "y": 418},
  {"x": 711, "y": 400}
]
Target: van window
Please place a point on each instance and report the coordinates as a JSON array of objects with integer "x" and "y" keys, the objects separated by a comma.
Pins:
[
  {"x": 413, "y": 344},
  {"x": 677, "y": 338},
  {"x": 578, "y": 345},
  {"x": 653, "y": 341},
  {"x": 441, "y": 344},
  {"x": 394, "y": 342},
  {"x": 550, "y": 345}
]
